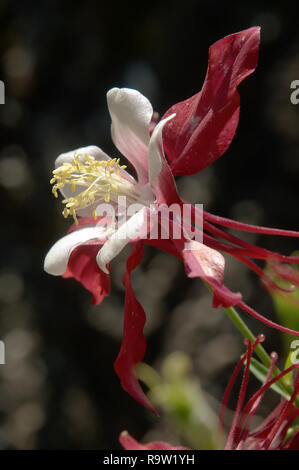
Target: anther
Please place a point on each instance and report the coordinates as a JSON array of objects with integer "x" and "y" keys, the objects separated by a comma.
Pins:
[{"x": 101, "y": 180}]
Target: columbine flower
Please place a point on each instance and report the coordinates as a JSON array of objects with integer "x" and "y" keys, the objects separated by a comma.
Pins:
[
  {"x": 274, "y": 433},
  {"x": 88, "y": 178},
  {"x": 195, "y": 133}
]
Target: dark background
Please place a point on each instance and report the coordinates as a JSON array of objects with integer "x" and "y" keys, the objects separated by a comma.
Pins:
[{"x": 58, "y": 60}]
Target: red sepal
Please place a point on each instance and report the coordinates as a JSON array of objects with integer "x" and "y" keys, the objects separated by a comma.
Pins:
[
  {"x": 133, "y": 343},
  {"x": 205, "y": 124}
]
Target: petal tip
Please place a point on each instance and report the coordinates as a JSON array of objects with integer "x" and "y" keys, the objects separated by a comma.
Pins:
[
  {"x": 103, "y": 267},
  {"x": 102, "y": 263},
  {"x": 51, "y": 266},
  {"x": 112, "y": 92}
]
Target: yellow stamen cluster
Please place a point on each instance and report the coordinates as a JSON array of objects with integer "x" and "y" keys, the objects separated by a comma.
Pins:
[{"x": 100, "y": 177}]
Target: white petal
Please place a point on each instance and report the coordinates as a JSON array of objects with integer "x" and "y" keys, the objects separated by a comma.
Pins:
[
  {"x": 91, "y": 150},
  {"x": 135, "y": 226},
  {"x": 155, "y": 152},
  {"x": 67, "y": 157},
  {"x": 57, "y": 257},
  {"x": 98, "y": 154},
  {"x": 131, "y": 115}
]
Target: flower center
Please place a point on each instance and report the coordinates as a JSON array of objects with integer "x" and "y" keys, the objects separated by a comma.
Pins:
[{"x": 102, "y": 181}]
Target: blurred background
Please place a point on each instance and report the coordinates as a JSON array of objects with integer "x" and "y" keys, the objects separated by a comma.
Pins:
[{"x": 58, "y": 388}]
